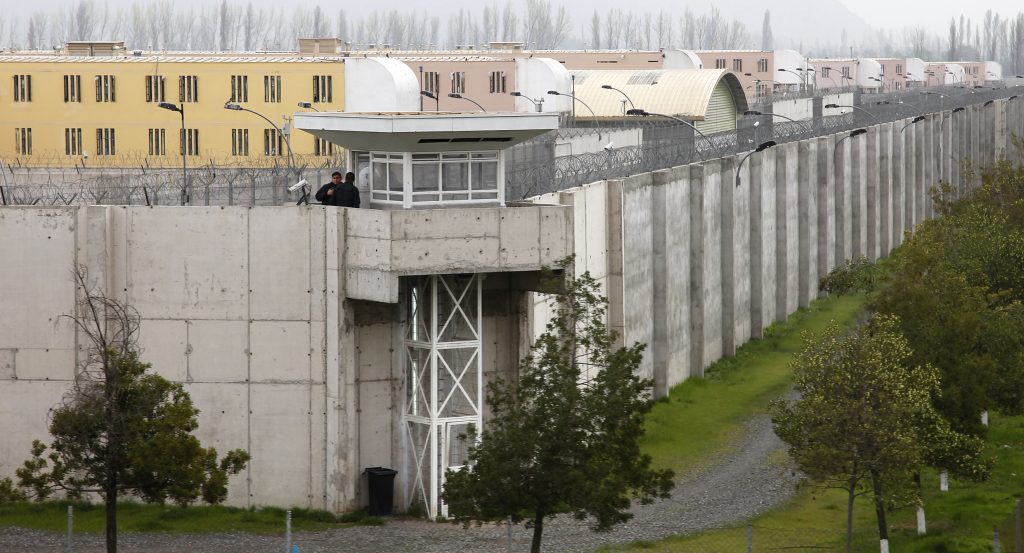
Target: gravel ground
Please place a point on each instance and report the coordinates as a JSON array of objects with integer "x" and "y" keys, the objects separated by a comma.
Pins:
[{"x": 742, "y": 483}]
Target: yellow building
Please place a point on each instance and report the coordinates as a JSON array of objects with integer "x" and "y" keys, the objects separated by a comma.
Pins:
[{"x": 67, "y": 111}]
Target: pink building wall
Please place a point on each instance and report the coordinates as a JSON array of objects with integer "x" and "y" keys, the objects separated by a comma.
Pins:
[{"x": 476, "y": 72}]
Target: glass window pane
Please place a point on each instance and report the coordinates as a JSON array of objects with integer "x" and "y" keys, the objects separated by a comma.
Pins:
[
  {"x": 456, "y": 196},
  {"x": 424, "y": 176},
  {"x": 455, "y": 156},
  {"x": 395, "y": 172},
  {"x": 485, "y": 176},
  {"x": 380, "y": 176},
  {"x": 455, "y": 176}
]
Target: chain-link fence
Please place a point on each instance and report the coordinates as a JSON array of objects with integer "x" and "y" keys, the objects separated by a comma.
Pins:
[{"x": 532, "y": 168}]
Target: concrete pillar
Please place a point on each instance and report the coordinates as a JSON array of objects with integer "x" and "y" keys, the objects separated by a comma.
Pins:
[
  {"x": 826, "y": 200},
  {"x": 871, "y": 194},
  {"x": 762, "y": 240},
  {"x": 843, "y": 201},
  {"x": 658, "y": 347},
  {"x": 696, "y": 265},
  {"x": 928, "y": 165},
  {"x": 920, "y": 167},
  {"x": 677, "y": 269},
  {"x": 787, "y": 233},
  {"x": 858, "y": 195},
  {"x": 910, "y": 176},
  {"x": 899, "y": 195},
  {"x": 712, "y": 262},
  {"x": 885, "y": 199},
  {"x": 999, "y": 112},
  {"x": 638, "y": 268},
  {"x": 735, "y": 261},
  {"x": 807, "y": 197}
]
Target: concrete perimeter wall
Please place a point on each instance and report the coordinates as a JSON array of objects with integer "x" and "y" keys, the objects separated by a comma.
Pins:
[
  {"x": 695, "y": 265},
  {"x": 283, "y": 323}
]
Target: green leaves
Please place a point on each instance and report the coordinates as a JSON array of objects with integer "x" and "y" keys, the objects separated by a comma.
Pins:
[{"x": 565, "y": 436}]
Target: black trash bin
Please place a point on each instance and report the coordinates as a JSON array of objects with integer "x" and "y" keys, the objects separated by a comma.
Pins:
[{"x": 382, "y": 490}]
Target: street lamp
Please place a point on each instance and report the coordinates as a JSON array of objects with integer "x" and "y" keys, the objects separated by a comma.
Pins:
[
  {"x": 853, "y": 133},
  {"x": 308, "y": 105},
  {"x": 799, "y": 76},
  {"x": 557, "y": 93},
  {"x": 917, "y": 119},
  {"x": 184, "y": 174},
  {"x": 291, "y": 159},
  {"x": 610, "y": 87},
  {"x": 458, "y": 96},
  {"x": 431, "y": 95},
  {"x": 537, "y": 104},
  {"x": 753, "y": 112},
  {"x": 642, "y": 113},
  {"x": 837, "y": 106},
  {"x": 760, "y": 148}
]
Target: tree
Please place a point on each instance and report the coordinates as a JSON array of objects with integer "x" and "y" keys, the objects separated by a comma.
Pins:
[
  {"x": 864, "y": 421},
  {"x": 766, "y": 32},
  {"x": 121, "y": 429},
  {"x": 564, "y": 438}
]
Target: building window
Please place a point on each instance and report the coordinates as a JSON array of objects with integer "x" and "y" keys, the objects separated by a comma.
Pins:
[
  {"x": 824, "y": 72},
  {"x": 189, "y": 142},
  {"x": 899, "y": 68},
  {"x": 432, "y": 82},
  {"x": 239, "y": 88},
  {"x": 23, "y": 141},
  {"x": 240, "y": 142},
  {"x": 73, "y": 142},
  {"x": 737, "y": 65},
  {"x": 105, "y": 145},
  {"x": 154, "y": 88},
  {"x": 498, "y": 82},
  {"x": 272, "y": 88},
  {"x": 458, "y": 82},
  {"x": 846, "y": 72},
  {"x": 273, "y": 142},
  {"x": 762, "y": 65},
  {"x": 105, "y": 90},
  {"x": 157, "y": 142},
  {"x": 899, "y": 85},
  {"x": 188, "y": 88},
  {"x": 720, "y": 63},
  {"x": 323, "y": 89},
  {"x": 323, "y": 147},
  {"x": 72, "y": 88},
  {"x": 23, "y": 88}
]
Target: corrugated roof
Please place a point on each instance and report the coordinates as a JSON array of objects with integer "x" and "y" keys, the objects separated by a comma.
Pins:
[{"x": 684, "y": 92}]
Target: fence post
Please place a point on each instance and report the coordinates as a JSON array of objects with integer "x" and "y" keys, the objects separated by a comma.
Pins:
[
  {"x": 287, "y": 532},
  {"x": 509, "y": 524},
  {"x": 750, "y": 538},
  {"x": 995, "y": 539},
  {"x": 71, "y": 524}
]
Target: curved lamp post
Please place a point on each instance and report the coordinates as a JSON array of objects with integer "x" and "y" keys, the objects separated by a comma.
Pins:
[
  {"x": 642, "y": 113},
  {"x": 753, "y": 112},
  {"x": 537, "y": 104},
  {"x": 458, "y": 96},
  {"x": 837, "y": 106},
  {"x": 853, "y": 133},
  {"x": 291, "y": 159},
  {"x": 760, "y": 148},
  {"x": 803, "y": 81},
  {"x": 917, "y": 119},
  {"x": 429, "y": 94},
  {"x": 610, "y": 87},
  {"x": 573, "y": 96},
  {"x": 184, "y": 175}
]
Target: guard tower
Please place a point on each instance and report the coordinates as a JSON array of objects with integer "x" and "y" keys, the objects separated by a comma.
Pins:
[{"x": 432, "y": 160}]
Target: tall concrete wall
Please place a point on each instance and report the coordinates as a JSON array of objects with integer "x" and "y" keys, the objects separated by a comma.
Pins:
[
  {"x": 284, "y": 324},
  {"x": 706, "y": 264}
]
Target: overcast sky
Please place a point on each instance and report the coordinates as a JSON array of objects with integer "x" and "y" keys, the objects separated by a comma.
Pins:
[{"x": 933, "y": 14}]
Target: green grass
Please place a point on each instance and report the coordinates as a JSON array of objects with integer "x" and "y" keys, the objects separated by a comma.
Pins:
[
  {"x": 703, "y": 417},
  {"x": 136, "y": 517}
]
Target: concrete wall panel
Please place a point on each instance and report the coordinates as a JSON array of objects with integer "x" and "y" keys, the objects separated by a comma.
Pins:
[
  {"x": 164, "y": 344},
  {"x": 218, "y": 351},
  {"x": 279, "y": 270},
  {"x": 23, "y": 410},
  {"x": 677, "y": 269},
  {"x": 43, "y": 364},
  {"x": 224, "y": 424},
  {"x": 280, "y": 443},
  {"x": 637, "y": 274},
  {"x": 711, "y": 260},
  {"x": 280, "y": 351}
]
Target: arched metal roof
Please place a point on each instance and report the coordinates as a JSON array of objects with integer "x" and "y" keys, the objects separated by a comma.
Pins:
[{"x": 683, "y": 93}]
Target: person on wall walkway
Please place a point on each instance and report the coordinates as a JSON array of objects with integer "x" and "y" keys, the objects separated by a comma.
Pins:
[{"x": 338, "y": 193}]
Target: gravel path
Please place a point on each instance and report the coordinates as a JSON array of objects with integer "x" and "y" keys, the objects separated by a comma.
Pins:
[{"x": 742, "y": 483}]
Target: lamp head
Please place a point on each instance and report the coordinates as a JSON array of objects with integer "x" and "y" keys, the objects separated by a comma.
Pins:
[
  {"x": 428, "y": 94},
  {"x": 455, "y": 95},
  {"x": 638, "y": 112},
  {"x": 170, "y": 106},
  {"x": 305, "y": 105},
  {"x": 606, "y": 86},
  {"x": 831, "y": 106},
  {"x": 918, "y": 119},
  {"x": 988, "y": 103},
  {"x": 554, "y": 93},
  {"x": 752, "y": 112},
  {"x": 515, "y": 93},
  {"x": 764, "y": 146},
  {"x": 857, "y": 132},
  {"x": 232, "y": 107}
]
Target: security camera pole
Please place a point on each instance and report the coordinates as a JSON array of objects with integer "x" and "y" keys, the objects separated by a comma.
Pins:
[{"x": 184, "y": 175}]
